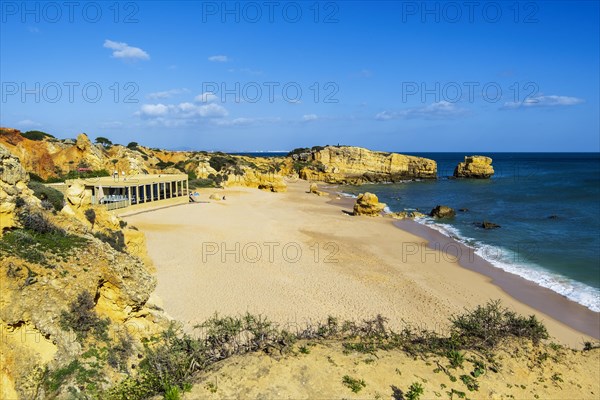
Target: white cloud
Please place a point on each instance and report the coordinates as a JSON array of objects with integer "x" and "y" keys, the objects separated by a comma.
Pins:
[
  {"x": 440, "y": 110},
  {"x": 154, "y": 110},
  {"x": 112, "y": 124},
  {"x": 218, "y": 58},
  {"x": 309, "y": 117},
  {"x": 206, "y": 97},
  {"x": 179, "y": 114},
  {"x": 212, "y": 110},
  {"x": 544, "y": 101},
  {"x": 166, "y": 94},
  {"x": 243, "y": 121},
  {"x": 123, "y": 50},
  {"x": 28, "y": 123}
]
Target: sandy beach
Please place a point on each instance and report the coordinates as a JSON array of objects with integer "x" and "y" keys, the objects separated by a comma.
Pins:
[{"x": 296, "y": 257}]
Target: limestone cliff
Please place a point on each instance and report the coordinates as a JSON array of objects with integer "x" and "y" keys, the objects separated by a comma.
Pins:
[
  {"x": 355, "y": 165},
  {"x": 49, "y": 261}
]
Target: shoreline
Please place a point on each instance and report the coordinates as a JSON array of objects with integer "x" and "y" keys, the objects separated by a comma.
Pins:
[
  {"x": 542, "y": 299},
  {"x": 528, "y": 292},
  {"x": 366, "y": 278}
]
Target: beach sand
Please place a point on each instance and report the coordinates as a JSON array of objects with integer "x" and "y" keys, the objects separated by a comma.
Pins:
[{"x": 296, "y": 257}]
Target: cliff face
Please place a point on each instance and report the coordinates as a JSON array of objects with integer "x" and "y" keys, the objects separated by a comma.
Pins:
[
  {"x": 48, "y": 260},
  {"x": 13, "y": 183},
  {"x": 49, "y": 158},
  {"x": 356, "y": 165},
  {"x": 53, "y": 158}
]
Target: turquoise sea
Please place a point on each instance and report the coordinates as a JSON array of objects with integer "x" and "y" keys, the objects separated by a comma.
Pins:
[{"x": 548, "y": 207}]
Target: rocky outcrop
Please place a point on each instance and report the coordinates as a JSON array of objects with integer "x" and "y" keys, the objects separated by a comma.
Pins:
[
  {"x": 368, "y": 204},
  {"x": 314, "y": 189},
  {"x": 442, "y": 212},
  {"x": 355, "y": 165},
  {"x": 407, "y": 215},
  {"x": 489, "y": 225},
  {"x": 255, "y": 179},
  {"x": 478, "y": 167}
]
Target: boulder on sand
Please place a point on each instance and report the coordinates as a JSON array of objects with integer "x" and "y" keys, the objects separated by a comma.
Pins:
[
  {"x": 368, "y": 204},
  {"x": 314, "y": 188}
]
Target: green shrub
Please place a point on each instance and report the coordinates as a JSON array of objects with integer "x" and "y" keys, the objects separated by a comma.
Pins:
[
  {"x": 470, "y": 382},
  {"x": 487, "y": 325},
  {"x": 356, "y": 385},
  {"x": 43, "y": 192},
  {"x": 115, "y": 239},
  {"x": 82, "y": 318},
  {"x": 414, "y": 391},
  {"x": 120, "y": 353},
  {"x": 298, "y": 150},
  {"x": 19, "y": 202},
  {"x": 219, "y": 163},
  {"x": 37, "y": 222},
  {"x": 33, "y": 246},
  {"x": 90, "y": 215},
  {"x": 35, "y": 178},
  {"x": 456, "y": 358},
  {"x": 162, "y": 165},
  {"x": 202, "y": 183},
  {"x": 36, "y": 135}
]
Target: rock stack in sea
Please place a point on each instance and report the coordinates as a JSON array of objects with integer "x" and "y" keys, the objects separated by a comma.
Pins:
[{"x": 478, "y": 167}]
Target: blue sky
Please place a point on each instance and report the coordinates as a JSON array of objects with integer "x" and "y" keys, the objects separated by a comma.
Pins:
[{"x": 246, "y": 76}]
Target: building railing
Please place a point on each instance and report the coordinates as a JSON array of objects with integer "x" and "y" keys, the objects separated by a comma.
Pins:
[{"x": 116, "y": 205}]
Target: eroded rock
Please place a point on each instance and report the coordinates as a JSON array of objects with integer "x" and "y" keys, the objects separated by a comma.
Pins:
[
  {"x": 477, "y": 167},
  {"x": 368, "y": 204},
  {"x": 442, "y": 212}
]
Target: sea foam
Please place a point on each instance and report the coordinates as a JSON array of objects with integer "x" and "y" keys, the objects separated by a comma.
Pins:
[{"x": 504, "y": 259}]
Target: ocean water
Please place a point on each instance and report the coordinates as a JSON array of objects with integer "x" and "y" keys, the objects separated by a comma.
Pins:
[{"x": 561, "y": 253}]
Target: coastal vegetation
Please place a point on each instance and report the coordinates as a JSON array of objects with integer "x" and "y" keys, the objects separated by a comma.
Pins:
[
  {"x": 36, "y": 135},
  {"x": 172, "y": 358},
  {"x": 48, "y": 194}
]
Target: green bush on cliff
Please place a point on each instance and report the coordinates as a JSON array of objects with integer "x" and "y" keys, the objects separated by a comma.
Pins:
[
  {"x": 201, "y": 183},
  {"x": 36, "y": 135},
  {"x": 43, "y": 192},
  {"x": 39, "y": 240},
  {"x": 115, "y": 239},
  {"x": 82, "y": 318},
  {"x": 221, "y": 162}
]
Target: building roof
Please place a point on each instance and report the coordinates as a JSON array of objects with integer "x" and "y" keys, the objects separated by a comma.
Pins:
[{"x": 131, "y": 180}]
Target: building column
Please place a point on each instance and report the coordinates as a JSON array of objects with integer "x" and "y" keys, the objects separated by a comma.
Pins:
[
  {"x": 129, "y": 194},
  {"x": 137, "y": 194},
  {"x": 187, "y": 188}
]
